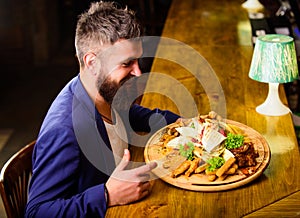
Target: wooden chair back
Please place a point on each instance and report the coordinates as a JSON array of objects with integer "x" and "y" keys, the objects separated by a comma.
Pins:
[{"x": 14, "y": 179}]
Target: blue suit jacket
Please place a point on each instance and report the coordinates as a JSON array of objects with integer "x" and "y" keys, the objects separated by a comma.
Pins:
[{"x": 72, "y": 158}]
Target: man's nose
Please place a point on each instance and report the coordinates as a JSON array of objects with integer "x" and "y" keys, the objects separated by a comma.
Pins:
[{"x": 136, "y": 71}]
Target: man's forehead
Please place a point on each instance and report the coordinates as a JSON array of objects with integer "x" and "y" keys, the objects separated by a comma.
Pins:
[{"x": 125, "y": 49}]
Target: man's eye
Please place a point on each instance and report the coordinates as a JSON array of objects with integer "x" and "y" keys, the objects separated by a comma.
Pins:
[{"x": 127, "y": 64}]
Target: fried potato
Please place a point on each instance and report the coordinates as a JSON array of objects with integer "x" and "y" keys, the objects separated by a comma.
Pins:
[
  {"x": 234, "y": 129},
  {"x": 172, "y": 131},
  {"x": 225, "y": 166},
  {"x": 174, "y": 125},
  {"x": 169, "y": 138},
  {"x": 247, "y": 140},
  {"x": 170, "y": 134}
]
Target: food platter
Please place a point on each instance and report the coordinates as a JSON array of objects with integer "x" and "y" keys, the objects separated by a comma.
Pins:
[{"x": 199, "y": 182}]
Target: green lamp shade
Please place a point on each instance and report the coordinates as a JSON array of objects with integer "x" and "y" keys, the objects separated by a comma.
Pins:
[{"x": 274, "y": 59}]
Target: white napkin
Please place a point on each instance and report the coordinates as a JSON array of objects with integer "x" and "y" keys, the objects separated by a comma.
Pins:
[{"x": 211, "y": 139}]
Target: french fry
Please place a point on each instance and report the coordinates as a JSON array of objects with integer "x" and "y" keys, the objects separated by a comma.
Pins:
[
  {"x": 169, "y": 138},
  {"x": 225, "y": 166},
  {"x": 164, "y": 137},
  {"x": 234, "y": 129},
  {"x": 247, "y": 139},
  {"x": 172, "y": 131},
  {"x": 237, "y": 130},
  {"x": 174, "y": 125},
  {"x": 228, "y": 128}
]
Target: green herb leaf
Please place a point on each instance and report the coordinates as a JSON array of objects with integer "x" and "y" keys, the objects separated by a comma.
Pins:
[
  {"x": 215, "y": 163},
  {"x": 234, "y": 141},
  {"x": 193, "y": 125},
  {"x": 186, "y": 150}
]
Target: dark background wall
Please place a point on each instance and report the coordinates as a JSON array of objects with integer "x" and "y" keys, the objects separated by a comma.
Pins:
[
  {"x": 37, "y": 58},
  {"x": 37, "y": 33}
]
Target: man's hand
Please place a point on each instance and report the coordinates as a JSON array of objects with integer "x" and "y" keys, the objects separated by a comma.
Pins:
[{"x": 126, "y": 186}]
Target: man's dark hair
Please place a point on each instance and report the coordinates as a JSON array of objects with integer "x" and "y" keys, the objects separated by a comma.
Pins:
[{"x": 104, "y": 23}]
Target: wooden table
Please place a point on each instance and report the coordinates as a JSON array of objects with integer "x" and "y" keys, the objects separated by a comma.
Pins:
[{"x": 220, "y": 32}]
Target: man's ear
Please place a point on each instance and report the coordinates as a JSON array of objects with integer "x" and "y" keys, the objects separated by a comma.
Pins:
[{"x": 90, "y": 61}]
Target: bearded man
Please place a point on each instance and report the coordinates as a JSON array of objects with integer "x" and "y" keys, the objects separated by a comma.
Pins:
[{"x": 81, "y": 154}]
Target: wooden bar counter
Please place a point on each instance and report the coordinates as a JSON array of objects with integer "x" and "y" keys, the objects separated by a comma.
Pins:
[{"x": 220, "y": 32}]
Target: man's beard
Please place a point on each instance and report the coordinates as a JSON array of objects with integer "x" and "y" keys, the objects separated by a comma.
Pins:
[{"x": 108, "y": 90}]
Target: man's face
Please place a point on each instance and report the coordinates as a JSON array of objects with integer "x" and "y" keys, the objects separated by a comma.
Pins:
[{"x": 119, "y": 63}]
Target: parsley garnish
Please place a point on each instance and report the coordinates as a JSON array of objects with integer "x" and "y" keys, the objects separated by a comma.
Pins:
[
  {"x": 186, "y": 150},
  {"x": 215, "y": 163},
  {"x": 234, "y": 141}
]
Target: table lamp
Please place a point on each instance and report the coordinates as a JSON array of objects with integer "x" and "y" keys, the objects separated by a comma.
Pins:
[
  {"x": 274, "y": 61},
  {"x": 252, "y": 5}
]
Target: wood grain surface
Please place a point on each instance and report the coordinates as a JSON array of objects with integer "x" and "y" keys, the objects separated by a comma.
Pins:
[{"x": 220, "y": 31}]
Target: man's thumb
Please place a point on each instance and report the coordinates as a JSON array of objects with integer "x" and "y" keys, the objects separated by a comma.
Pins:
[{"x": 125, "y": 160}]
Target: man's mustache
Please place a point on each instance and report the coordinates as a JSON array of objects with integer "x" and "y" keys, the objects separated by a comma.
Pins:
[{"x": 130, "y": 79}]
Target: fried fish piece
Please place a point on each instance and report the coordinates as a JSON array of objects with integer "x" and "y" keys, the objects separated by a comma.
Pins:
[
  {"x": 230, "y": 171},
  {"x": 181, "y": 168},
  {"x": 193, "y": 166},
  {"x": 201, "y": 168},
  {"x": 211, "y": 177}
]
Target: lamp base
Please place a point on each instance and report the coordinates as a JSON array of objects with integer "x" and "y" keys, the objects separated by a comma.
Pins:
[{"x": 273, "y": 105}]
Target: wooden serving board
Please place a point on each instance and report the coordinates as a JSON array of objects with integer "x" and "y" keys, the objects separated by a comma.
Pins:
[{"x": 199, "y": 182}]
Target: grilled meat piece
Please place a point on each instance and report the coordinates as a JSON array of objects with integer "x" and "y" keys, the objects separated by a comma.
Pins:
[{"x": 245, "y": 155}]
